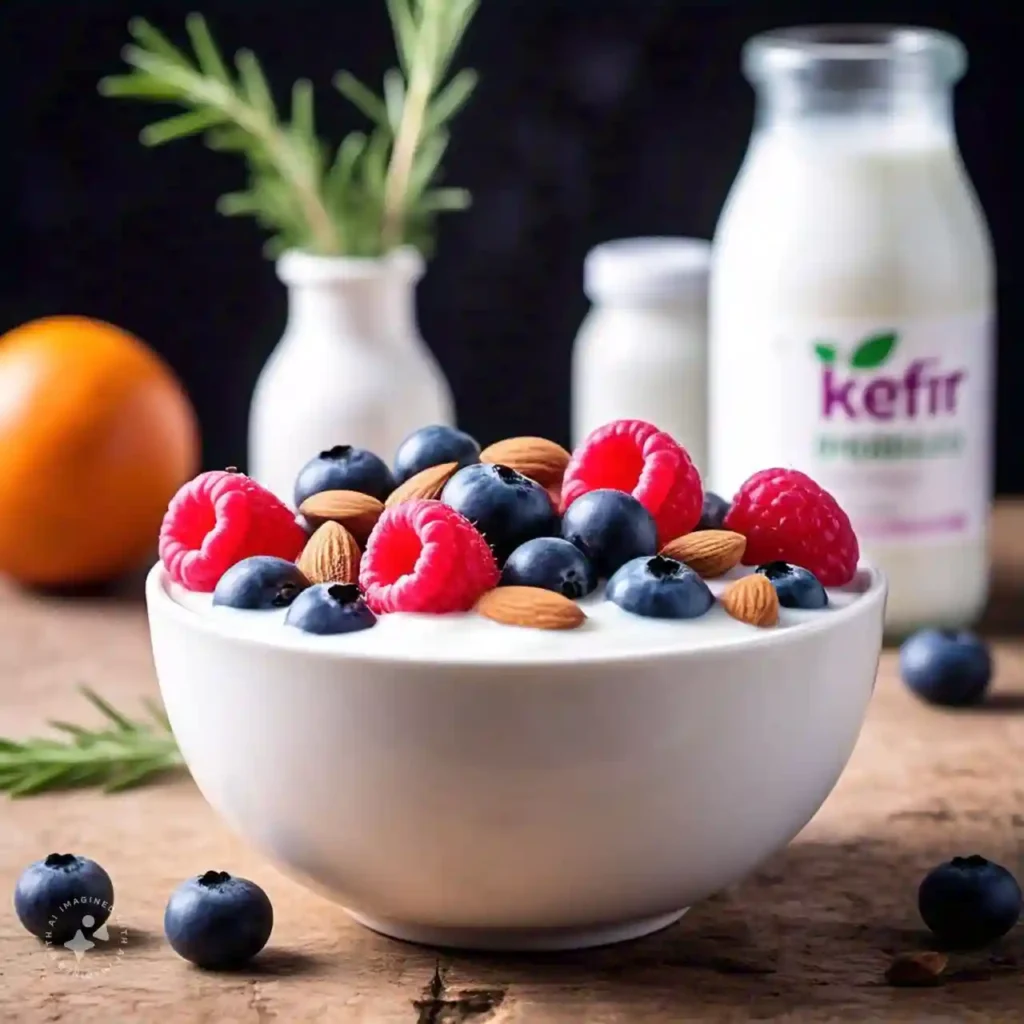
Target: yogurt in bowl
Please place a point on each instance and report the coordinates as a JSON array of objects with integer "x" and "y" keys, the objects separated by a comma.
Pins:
[{"x": 458, "y": 781}]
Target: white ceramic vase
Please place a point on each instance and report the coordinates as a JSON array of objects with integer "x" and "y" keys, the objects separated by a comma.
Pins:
[{"x": 351, "y": 366}]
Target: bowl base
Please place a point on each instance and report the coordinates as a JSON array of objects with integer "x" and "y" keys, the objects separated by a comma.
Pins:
[{"x": 519, "y": 940}]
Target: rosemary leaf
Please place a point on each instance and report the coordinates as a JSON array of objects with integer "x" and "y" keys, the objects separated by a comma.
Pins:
[
  {"x": 138, "y": 86},
  {"x": 457, "y": 15},
  {"x": 404, "y": 28},
  {"x": 361, "y": 96},
  {"x": 443, "y": 200},
  {"x": 155, "y": 41},
  {"x": 428, "y": 160},
  {"x": 275, "y": 247},
  {"x": 180, "y": 126},
  {"x": 207, "y": 54},
  {"x": 254, "y": 84},
  {"x": 343, "y": 167},
  {"x": 450, "y": 100},
  {"x": 107, "y": 710},
  {"x": 303, "y": 124},
  {"x": 228, "y": 138},
  {"x": 374, "y": 162},
  {"x": 394, "y": 96},
  {"x": 239, "y": 204}
]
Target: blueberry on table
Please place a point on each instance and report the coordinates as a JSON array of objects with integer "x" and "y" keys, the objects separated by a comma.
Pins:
[
  {"x": 946, "y": 667},
  {"x": 610, "y": 528},
  {"x": 57, "y": 897},
  {"x": 552, "y": 564},
  {"x": 433, "y": 446},
  {"x": 218, "y": 921},
  {"x": 713, "y": 511},
  {"x": 969, "y": 902},
  {"x": 660, "y": 588},
  {"x": 260, "y": 583},
  {"x": 505, "y": 506},
  {"x": 344, "y": 468},
  {"x": 796, "y": 586},
  {"x": 329, "y": 608}
]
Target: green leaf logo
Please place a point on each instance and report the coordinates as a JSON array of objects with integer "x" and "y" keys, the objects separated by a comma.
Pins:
[
  {"x": 873, "y": 351},
  {"x": 826, "y": 353}
]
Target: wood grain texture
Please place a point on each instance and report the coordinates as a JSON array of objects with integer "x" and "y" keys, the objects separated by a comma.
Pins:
[{"x": 807, "y": 938}]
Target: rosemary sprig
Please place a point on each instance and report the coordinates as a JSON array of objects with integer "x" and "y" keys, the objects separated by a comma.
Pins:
[
  {"x": 375, "y": 192},
  {"x": 122, "y": 754}
]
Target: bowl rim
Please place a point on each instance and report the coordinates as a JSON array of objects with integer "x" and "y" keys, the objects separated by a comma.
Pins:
[{"x": 159, "y": 602}]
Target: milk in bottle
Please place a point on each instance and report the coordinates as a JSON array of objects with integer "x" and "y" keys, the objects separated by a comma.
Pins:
[{"x": 851, "y": 306}]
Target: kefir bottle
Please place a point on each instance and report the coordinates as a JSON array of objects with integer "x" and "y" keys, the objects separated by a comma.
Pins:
[{"x": 851, "y": 306}]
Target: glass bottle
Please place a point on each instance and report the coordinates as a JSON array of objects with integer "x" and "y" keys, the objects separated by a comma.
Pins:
[{"x": 852, "y": 305}]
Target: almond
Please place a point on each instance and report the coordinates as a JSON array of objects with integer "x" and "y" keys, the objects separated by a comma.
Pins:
[
  {"x": 708, "y": 552},
  {"x": 532, "y": 607},
  {"x": 428, "y": 483},
  {"x": 536, "y": 457},
  {"x": 555, "y": 494},
  {"x": 916, "y": 970},
  {"x": 331, "y": 555},
  {"x": 357, "y": 512},
  {"x": 752, "y": 600}
]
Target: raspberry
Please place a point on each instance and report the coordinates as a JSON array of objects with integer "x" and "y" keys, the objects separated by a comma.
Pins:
[
  {"x": 218, "y": 519},
  {"x": 787, "y": 517},
  {"x": 636, "y": 457},
  {"x": 423, "y": 556}
]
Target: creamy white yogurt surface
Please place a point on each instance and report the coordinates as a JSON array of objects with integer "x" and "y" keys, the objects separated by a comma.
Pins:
[{"x": 609, "y": 632}]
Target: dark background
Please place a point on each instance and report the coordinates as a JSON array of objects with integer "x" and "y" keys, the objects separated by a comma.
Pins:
[{"x": 594, "y": 119}]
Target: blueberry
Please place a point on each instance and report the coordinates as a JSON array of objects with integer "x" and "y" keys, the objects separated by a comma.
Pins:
[
  {"x": 713, "y": 511},
  {"x": 946, "y": 667},
  {"x": 969, "y": 901},
  {"x": 260, "y": 582},
  {"x": 797, "y": 587},
  {"x": 610, "y": 528},
  {"x": 218, "y": 921},
  {"x": 550, "y": 563},
  {"x": 506, "y": 507},
  {"x": 344, "y": 468},
  {"x": 659, "y": 588},
  {"x": 330, "y": 608},
  {"x": 56, "y": 897},
  {"x": 433, "y": 446}
]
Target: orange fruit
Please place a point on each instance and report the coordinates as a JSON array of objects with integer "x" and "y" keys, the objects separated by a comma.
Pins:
[{"x": 96, "y": 435}]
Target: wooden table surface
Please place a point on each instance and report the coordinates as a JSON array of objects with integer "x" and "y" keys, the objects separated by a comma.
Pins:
[{"x": 807, "y": 938}]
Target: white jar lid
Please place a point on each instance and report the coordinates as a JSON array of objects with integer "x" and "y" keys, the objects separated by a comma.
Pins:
[{"x": 641, "y": 270}]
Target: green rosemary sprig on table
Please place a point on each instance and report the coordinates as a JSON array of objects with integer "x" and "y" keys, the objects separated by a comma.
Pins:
[
  {"x": 121, "y": 754},
  {"x": 375, "y": 191}
]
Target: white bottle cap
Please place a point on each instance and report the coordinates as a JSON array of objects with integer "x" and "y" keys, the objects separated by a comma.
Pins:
[{"x": 648, "y": 270}]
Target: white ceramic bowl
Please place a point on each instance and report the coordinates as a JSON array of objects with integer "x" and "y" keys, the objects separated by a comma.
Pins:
[{"x": 536, "y": 805}]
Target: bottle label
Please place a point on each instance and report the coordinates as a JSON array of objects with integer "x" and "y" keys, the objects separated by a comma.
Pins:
[{"x": 895, "y": 419}]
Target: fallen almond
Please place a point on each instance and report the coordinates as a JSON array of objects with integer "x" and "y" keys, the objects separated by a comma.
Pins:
[
  {"x": 357, "y": 512},
  {"x": 536, "y": 457},
  {"x": 916, "y": 970},
  {"x": 428, "y": 483},
  {"x": 752, "y": 600},
  {"x": 710, "y": 553},
  {"x": 331, "y": 555},
  {"x": 532, "y": 607}
]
